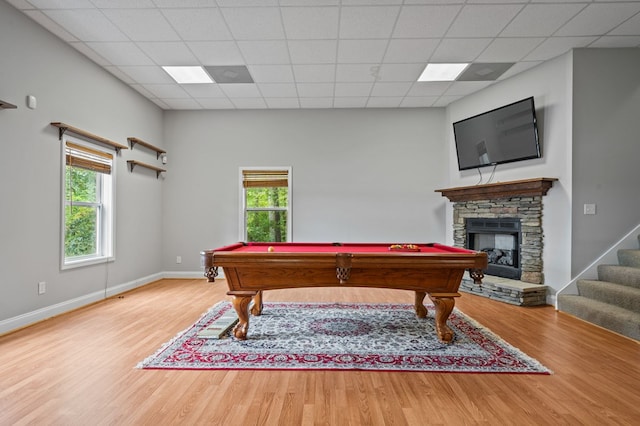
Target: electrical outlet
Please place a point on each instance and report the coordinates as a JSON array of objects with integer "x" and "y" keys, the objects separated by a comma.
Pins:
[
  {"x": 589, "y": 209},
  {"x": 178, "y": 259},
  {"x": 42, "y": 287}
]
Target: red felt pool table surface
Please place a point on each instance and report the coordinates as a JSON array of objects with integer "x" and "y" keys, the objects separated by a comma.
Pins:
[
  {"x": 433, "y": 269},
  {"x": 340, "y": 248}
]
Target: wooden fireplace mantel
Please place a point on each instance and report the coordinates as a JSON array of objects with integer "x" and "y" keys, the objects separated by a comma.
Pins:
[{"x": 491, "y": 191}]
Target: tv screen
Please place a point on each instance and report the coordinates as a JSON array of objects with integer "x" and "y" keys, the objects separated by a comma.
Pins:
[{"x": 502, "y": 135}]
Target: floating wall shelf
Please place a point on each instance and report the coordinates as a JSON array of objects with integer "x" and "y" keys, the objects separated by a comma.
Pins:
[
  {"x": 67, "y": 128},
  {"x": 133, "y": 141},
  {"x": 133, "y": 163}
]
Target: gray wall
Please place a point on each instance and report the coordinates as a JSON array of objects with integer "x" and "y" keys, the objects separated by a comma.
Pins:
[
  {"x": 379, "y": 170},
  {"x": 550, "y": 85},
  {"x": 71, "y": 89},
  {"x": 606, "y": 149}
]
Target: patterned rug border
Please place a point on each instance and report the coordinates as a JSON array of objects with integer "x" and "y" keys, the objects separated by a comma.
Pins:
[{"x": 532, "y": 365}]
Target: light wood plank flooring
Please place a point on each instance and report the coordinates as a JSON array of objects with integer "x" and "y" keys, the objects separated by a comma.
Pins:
[{"x": 79, "y": 369}]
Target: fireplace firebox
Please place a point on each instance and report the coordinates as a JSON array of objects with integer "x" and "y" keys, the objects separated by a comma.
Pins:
[{"x": 500, "y": 238}]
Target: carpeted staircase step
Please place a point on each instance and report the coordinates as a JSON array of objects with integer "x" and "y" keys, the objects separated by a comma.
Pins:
[
  {"x": 628, "y": 257},
  {"x": 615, "y": 294},
  {"x": 625, "y": 275},
  {"x": 614, "y": 318}
]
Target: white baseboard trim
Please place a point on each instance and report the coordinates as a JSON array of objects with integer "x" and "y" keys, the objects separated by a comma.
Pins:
[
  {"x": 183, "y": 274},
  {"x": 29, "y": 318}
]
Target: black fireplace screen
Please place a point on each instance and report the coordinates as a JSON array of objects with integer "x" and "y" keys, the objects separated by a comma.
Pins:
[{"x": 500, "y": 238}]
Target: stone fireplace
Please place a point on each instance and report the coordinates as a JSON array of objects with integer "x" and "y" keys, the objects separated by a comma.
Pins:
[{"x": 506, "y": 220}]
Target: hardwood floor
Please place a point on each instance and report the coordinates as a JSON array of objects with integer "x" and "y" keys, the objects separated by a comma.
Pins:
[{"x": 79, "y": 369}]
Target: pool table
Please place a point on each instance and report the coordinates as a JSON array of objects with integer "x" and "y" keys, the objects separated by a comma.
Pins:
[{"x": 433, "y": 269}]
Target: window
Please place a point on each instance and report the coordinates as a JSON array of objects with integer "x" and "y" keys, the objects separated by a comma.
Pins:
[
  {"x": 88, "y": 201},
  {"x": 266, "y": 204}
]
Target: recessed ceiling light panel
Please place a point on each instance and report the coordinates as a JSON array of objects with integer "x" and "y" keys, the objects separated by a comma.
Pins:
[
  {"x": 442, "y": 72},
  {"x": 188, "y": 75}
]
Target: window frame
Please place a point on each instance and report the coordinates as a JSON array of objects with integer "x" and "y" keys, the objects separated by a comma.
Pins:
[
  {"x": 243, "y": 201},
  {"x": 105, "y": 208}
]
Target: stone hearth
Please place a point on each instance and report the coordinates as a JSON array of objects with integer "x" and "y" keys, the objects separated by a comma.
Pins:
[{"x": 516, "y": 199}]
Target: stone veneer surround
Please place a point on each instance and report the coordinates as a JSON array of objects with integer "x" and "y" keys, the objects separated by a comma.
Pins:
[
  {"x": 527, "y": 209},
  {"x": 517, "y": 199}
]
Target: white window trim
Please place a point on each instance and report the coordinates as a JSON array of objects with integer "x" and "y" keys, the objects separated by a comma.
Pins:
[
  {"x": 108, "y": 234},
  {"x": 243, "y": 231}
]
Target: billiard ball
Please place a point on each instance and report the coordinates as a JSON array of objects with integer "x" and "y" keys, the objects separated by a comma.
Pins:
[{"x": 270, "y": 249}]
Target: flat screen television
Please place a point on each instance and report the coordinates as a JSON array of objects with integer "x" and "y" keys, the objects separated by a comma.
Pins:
[{"x": 502, "y": 135}]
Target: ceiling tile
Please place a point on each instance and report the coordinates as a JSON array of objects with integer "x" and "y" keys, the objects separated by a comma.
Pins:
[
  {"x": 431, "y": 88},
  {"x": 62, "y": 4},
  {"x": 122, "y": 4},
  {"x": 384, "y": 102},
  {"x": 310, "y": 22},
  {"x": 183, "y": 3},
  {"x": 425, "y": 21},
  {"x": 314, "y": 73},
  {"x": 216, "y": 52},
  {"x": 315, "y": 90},
  {"x": 87, "y": 25},
  {"x": 458, "y": 50},
  {"x": 537, "y": 20},
  {"x": 201, "y": 91},
  {"x": 121, "y": 53},
  {"x": 313, "y": 51},
  {"x": 629, "y": 27},
  {"x": 482, "y": 20},
  {"x": 418, "y": 101},
  {"x": 518, "y": 68},
  {"x": 254, "y": 23},
  {"x": 271, "y": 73},
  {"x": 240, "y": 90},
  {"x": 215, "y": 103},
  {"x": 264, "y": 52},
  {"x": 410, "y": 50},
  {"x": 353, "y": 89},
  {"x": 142, "y": 24},
  {"x": 249, "y": 103},
  {"x": 617, "y": 41},
  {"x": 367, "y": 22},
  {"x": 166, "y": 91},
  {"x": 390, "y": 89},
  {"x": 198, "y": 24},
  {"x": 186, "y": 104},
  {"x": 400, "y": 72},
  {"x": 316, "y": 102},
  {"x": 598, "y": 18},
  {"x": 556, "y": 46},
  {"x": 278, "y": 90},
  {"x": 357, "y": 72},
  {"x": 168, "y": 53},
  {"x": 361, "y": 51},
  {"x": 462, "y": 88},
  {"x": 351, "y": 102},
  {"x": 509, "y": 49},
  {"x": 90, "y": 53},
  {"x": 147, "y": 75},
  {"x": 283, "y": 103}
]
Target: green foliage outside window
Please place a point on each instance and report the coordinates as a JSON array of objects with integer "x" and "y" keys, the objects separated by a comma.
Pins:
[
  {"x": 81, "y": 212},
  {"x": 266, "y": 214}
]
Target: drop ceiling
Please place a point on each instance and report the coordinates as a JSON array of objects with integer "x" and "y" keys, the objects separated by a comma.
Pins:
[{"x": 328, "y": 53}]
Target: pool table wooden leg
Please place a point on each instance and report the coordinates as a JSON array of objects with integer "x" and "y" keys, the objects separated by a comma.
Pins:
[
  {"x": 444, "y": 305},
  {"x": 256, "y": 309},
  {"x": 421, "y": 310},
  {"x": 241, "y": 302}
]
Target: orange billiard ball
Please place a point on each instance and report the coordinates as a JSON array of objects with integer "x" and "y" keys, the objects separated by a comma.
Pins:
[{"x": 270, "y": 249}]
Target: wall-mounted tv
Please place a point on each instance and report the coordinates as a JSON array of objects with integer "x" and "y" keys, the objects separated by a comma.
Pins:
[{"x": 502, "y": 135}]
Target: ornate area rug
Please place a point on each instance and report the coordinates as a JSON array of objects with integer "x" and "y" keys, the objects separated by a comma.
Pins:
[{"x": 341, "y": 336}]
